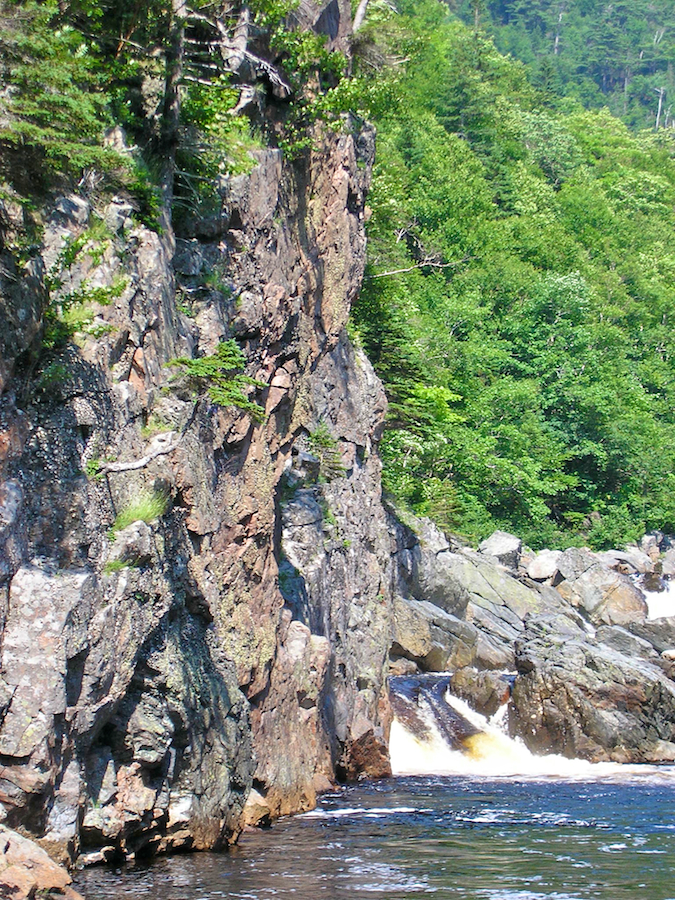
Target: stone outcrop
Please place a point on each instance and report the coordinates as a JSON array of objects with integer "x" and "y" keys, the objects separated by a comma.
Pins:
[
  {"x": 591, "y": 677},
  {"x": 27, "y": 872},
  {"x": 162, "y": 683},
  {"x": 595, "y": 699}
]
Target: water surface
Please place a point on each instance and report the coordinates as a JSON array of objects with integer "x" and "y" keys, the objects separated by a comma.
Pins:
[{"x": 465, "y": 838}]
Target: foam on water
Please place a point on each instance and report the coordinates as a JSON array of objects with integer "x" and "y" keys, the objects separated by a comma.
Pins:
[
  {"x": 661, "y": 604},
  {"x": 492, "y": 754}
]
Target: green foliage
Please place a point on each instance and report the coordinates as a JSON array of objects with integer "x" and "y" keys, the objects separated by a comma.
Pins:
[
  {"x": 147, "y": 507},
  {"x": 56, "y": 110},
  {"x": 324, "y": 446},
  {"x": 70, "y": 309},
  {"x": 92, "y": 468},
  {"x": 518, "y": 299},
  {"x": 617, "y": 55},
  {"x": 115, "y": 565},
  {"x": 220, "y": 375}
]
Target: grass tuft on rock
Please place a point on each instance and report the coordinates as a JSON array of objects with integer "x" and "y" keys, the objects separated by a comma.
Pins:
[{"x": 145, "y": 508}]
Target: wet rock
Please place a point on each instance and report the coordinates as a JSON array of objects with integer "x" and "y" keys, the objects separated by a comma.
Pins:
[{"x": 485, "y": 692}]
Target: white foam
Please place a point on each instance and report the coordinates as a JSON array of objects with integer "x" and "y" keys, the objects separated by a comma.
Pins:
[
  {"x": 492, "y": 754},
  {"x": 369, "y": 812},
  {"x": 661, "y": 604}
]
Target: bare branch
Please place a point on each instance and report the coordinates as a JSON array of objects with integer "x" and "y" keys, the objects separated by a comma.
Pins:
[
  {"x": 425, "y": 263},
  {"x": 161, "y": 449}
]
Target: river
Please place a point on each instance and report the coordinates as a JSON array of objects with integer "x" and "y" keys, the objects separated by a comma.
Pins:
[
  {"x": 456, "y": 837},
  {"x": 500, "y": 824}
]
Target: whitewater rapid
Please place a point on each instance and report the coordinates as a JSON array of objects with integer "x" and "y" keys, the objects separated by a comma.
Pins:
[{"x": 491, "y": 753}]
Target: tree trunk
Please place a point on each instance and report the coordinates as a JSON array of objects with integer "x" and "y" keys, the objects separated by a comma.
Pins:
[
  {"x": 171, "y": 113},
  {"x": 360, "y": 15}
]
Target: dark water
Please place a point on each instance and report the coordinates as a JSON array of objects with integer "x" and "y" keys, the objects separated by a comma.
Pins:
[{"x": 450, "y": 837}]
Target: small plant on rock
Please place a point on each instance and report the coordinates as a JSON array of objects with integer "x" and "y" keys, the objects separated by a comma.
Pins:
[
  {"x": 221, "y": 375},
  {"x": 145, "y": 508},
  {"x": 324, "y": 446}
]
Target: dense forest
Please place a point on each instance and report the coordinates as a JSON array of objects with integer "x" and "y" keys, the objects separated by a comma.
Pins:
[
  {"x": 618, "y": 55},
  {"x": 519, "y": 293},
  {"x": 526, "y": 337}
]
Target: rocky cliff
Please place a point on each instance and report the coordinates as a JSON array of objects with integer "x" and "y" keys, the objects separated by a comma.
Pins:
[
  {"x": 201, "y": 593},
  {"x": 162, "y": 682}
]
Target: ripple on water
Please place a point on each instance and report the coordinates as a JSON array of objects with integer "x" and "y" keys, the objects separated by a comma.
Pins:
[{"x": 455, "y": 838}]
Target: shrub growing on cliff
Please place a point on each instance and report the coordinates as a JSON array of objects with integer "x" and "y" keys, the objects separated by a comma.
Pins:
[
  {"x": 220, "y": 375},
  {"x": 324, "y": 446}
]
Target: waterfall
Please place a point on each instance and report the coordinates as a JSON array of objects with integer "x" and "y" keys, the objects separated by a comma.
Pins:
[
  {"x": 661, "y": 604},
  {"x": 434, "y": 733}
]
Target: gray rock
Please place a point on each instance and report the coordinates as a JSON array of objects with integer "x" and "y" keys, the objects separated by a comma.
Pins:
[
  {"x": 432, "y": 638},
  {"x": 625, "y": 642},
  {"x": 583, "y": 699},
  {"x": 503, "y": 547},
  {"x": 606, "y": 596},
  {"x": 544, "y": 566},
  {"x": 132, "y": 545},
  {"x": 668, "y": 563},
  {"x": 574, "y": 562}
]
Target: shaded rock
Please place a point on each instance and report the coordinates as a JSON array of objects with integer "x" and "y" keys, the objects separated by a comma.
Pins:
[
  {"x": 652, "y": 544},
  {"x": 503, "y": 547},
  {"x": 629, "y": 644}
]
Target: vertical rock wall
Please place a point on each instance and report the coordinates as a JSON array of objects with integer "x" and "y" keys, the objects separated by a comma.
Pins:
[{"x": 153, "y": 671}]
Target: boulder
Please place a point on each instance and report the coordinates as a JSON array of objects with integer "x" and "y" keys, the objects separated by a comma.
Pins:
[
  {"x": 544, "y": 566},
  {"x": 606, "y": 596},
  {"x": 432, "y": 638},
  {"x": 428, "y": 572},
  {"x": 485, "y": 692},
  {"x": 580, "y": 698},
  {"x": 504, "y": 547},
  {"x": 629, "y": 562},
  {"x": 26, "y": 871},
  {"x": 574, "y": 562},
  {"x": 668, "y": 563}
]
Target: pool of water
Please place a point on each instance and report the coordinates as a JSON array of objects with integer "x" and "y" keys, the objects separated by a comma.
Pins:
[{"x": 453, "y": 837}]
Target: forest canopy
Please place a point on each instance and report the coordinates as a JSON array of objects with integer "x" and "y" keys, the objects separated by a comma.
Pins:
[{"x": 519, "y": 297}]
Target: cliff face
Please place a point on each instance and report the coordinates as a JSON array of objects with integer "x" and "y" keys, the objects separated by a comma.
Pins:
[{"x": 156, "y": 667}]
